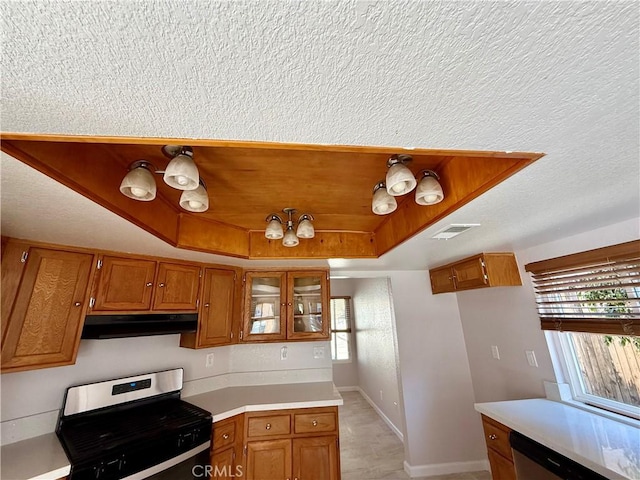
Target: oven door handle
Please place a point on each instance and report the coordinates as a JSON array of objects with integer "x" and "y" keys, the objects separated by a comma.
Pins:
[{"x": 168, "y": 463}]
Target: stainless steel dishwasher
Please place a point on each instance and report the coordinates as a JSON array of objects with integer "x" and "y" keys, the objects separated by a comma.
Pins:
[{"x": 534, "y": 461}]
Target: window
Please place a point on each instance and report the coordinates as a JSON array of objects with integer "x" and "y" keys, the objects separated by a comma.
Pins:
[
  {"x": 592, "y": 299},
  {"x": 341, "y": 329}
]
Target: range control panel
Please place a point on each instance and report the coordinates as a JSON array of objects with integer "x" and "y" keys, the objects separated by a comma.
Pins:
[{"x": 131, "y": 386}]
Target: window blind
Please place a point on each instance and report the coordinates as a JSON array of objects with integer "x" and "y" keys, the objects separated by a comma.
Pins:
[{"x": 597, "y": 291}]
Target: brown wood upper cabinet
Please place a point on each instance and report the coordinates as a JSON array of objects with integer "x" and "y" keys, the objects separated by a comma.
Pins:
[
  {"x": 218, "y": 310},
  {"x": 134, "y": 284},
  {"x": 281, "y": 305},
  {"x": 479, "y": 271},
  {"x": 44, "y": 297}
]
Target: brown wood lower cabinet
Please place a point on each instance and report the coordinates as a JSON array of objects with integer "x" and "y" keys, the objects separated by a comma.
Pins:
[
  {"x": 297, "y": 444},
  {"x": 498, "y": 449},
  {"x": 226, "y": 449}
]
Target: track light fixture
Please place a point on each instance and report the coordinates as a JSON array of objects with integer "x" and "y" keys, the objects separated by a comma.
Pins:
[
  {"x": 290, "y": 238},
  {"x": 181, "y": 173},
  {"x": 400, "y": 181}
]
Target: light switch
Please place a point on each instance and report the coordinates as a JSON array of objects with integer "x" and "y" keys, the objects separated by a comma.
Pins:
[
  {"x": 495, "y": 353},
  {"x": 531, "y": 358}
]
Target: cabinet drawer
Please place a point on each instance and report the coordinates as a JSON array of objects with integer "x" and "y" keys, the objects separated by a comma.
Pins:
[
  {"x": 314, "y": 422},
  {"x": 497, "y": 437},
  {"x": 223, "y": 435},
  {"x": 269, "y": 426}
]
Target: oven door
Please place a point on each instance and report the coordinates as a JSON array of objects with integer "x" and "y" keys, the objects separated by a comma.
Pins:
[{"x": 194, "y": 464}]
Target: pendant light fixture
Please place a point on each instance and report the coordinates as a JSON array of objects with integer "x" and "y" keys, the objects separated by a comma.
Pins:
[
  {"x": 290, "y": 237},
  {"x": 400, "y": 181},
  {"x": 181, "y": 173}
]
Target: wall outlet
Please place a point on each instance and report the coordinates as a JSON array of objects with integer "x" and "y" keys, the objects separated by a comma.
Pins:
[
  {"x": 381, "y": 399},
  {"x": 209, "y": 360},
  {"x": 283, "y": 353},
  {"x": 495, "y": 353},
  {"x": 318, "y": 352},
  {"x": 531, "y": 358}
]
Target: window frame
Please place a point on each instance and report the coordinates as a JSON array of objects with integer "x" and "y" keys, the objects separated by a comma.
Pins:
[
  {"x": 567, "y": 371},
  {"x": 348, "y": 330}
]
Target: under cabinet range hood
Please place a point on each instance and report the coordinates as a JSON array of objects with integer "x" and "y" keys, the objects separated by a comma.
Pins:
[{"x": 138, "y": 325}]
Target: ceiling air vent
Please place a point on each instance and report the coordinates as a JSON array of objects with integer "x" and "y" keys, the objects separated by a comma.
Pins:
[{"x": 454, "y": 230}]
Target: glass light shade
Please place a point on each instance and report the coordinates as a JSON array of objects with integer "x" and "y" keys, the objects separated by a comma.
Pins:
[
  {"x": 383, "y": 203},
  {"x": 139, "y": 184},
  {"x": 274, "y": 230},
  {"x": 429, "y": 191},
  {"x": 399, "y": 180},
  {"x": 195, "y": 200},
  {"x": 182, "y": 173},
  {"x": 290, "y": 239},
  {"x": 305, "y": 229}
]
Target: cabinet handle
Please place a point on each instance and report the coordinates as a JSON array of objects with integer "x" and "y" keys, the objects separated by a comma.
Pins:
[
  {"x": 161, "y": 285},
  {"x": 149, "y": 284},
  {"x": 268, "y": 426},
  {"x": 314, "y": 423},
  {"x": 493, "y": 436},
  {"x": 225, "y": 436},
  {"x": 77, "y": 304}
]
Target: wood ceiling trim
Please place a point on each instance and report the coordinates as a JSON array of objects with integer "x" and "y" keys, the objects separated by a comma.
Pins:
[
  {"x": 86, "y": 164},
  {"x": 159, "y": 218},
  {"x": 462, "y": 180},
  {"x": 323, "y": 245}
]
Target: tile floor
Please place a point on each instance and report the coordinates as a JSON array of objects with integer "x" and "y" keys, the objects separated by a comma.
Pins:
[{"x": 369, "y": 450}]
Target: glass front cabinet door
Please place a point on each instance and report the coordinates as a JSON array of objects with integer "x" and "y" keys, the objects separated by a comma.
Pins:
[
  {"x": 307, "y": 305},
  {"x": 265, "y": 306},
  {"x": 290, "y": 305}
]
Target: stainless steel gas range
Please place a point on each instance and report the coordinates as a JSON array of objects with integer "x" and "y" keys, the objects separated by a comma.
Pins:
[{"x": 134, "y": 428}]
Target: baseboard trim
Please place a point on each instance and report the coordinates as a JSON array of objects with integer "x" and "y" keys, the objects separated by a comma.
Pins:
[
  {"x": 348, "y": 389},
  {"x": 386, "y": 420},
  {"x": 445, "y": 468}
]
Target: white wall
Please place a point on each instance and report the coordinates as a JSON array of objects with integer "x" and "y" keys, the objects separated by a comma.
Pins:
[
  {"x": 39, "y": 391},
  {"x": 346, "y": 374},
  {"x": 377, "y": 352},
  {"x": 507, "y": 317},
  {"x": 443, "y": 433}
]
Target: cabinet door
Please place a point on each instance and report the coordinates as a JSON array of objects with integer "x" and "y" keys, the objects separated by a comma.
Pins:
[
  {"x": 307, "y": 305},
  {"x": 124, "y": 284},
  {"x": 223, "y": 464},
  {"x": 501, "y": 468},
  {"x": 265, "y": 306},
  {"x": 269, "y": 460},
  {"x": 46, "y": 320},
  {"x": 441, "y": 280},
  {"x": 217, "y": 307},
  {"x": 316, "y": 458},
  {"x": 470, "y": 274},
  {"x": 176, "y": 287}
]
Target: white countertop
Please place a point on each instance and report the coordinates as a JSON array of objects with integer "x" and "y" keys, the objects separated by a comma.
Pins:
[
  {"x": 606, "y": 446},
  {"x": 227, "y": 402},
  {"x": 43, "y": 457},
  {"x": 35, "y": 458}
]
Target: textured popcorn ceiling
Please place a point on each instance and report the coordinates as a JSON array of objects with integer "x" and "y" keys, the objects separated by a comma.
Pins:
[{"x": 554, "y": 77}]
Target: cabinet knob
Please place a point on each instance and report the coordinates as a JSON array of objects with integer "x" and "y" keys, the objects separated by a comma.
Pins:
[
  {"x": 161, "y": 285},
  {"x": 77, "y": 304},
  {"x": 314, "y": 423},
  {"x": 149, "y": 284},
  {"x": 225, "y": 436},
  {"x": 289, "y": 304},
  {"x": 206, "y": 305},
  {"x": 283, "y": 304},
  {"x": 268, "y": 426},
  {"x": 493, "y": 436}
]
